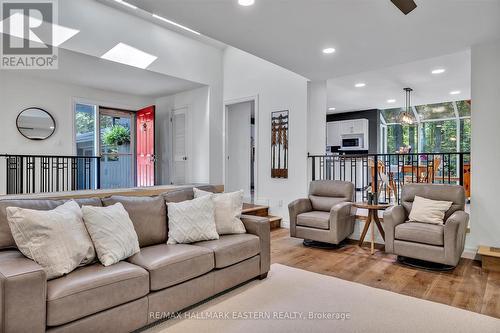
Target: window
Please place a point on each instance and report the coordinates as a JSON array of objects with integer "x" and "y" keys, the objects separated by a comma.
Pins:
[
  {"x": 435, "y": 111},
  {"x": 85, "y": 125},
  {"x": 439, "y": 136},
  {"x": 441, "y": 127}
]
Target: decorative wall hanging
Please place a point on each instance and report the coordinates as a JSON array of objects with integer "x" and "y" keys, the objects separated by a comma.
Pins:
[
  {"x": 35, "y": 124},
  {"x": 279, "y": 144}
]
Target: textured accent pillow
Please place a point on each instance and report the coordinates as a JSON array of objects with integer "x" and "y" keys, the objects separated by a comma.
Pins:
[
  {"x": 191, "y": 221},
  {"x": 55, "y": 239},
  {"x": 429, "y": 211},
  {"x": 228, "y": 208},
  {"x": 112, "y": 232}
]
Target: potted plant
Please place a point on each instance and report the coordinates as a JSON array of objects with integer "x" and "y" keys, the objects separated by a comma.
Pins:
[{"x": 116, "y": 135}]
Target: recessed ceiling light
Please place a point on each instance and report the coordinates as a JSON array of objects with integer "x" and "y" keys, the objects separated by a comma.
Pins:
[
  {"x": 360, "y": 85},
  {"x": 161, "y": 18},
  {"x": 246, "y": 2},
  {"x": 129, "y": 5},
  {"x": 455, "y": 92},
  {"x": 438, "y": 71},
  {"x": 329, "y": 50},
  {"x": 128, "y": 55},
  {"x": 331, "y": 109},
  {"x": 391, "y": 101}
]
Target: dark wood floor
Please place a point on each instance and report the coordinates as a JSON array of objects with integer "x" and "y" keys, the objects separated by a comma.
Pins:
[{"x": 466, "y": 287}]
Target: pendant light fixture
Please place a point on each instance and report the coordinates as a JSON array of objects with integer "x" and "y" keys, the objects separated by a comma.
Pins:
[{"x": 406, "y": 117}]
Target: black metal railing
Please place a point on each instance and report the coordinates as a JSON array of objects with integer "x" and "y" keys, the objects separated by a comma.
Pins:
[
  {"x": 28, "y": 174},
  {"x": 386, "y": 174}
]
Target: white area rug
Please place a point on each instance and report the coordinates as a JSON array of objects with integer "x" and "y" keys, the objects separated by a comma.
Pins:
[{"x": 284, "y": 301}]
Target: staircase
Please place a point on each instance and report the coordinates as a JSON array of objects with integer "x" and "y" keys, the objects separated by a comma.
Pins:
[{"x": 257, "y": 210}]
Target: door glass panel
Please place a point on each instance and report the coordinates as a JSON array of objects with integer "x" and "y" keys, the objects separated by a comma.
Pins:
[{"x": 117, "y": 154}]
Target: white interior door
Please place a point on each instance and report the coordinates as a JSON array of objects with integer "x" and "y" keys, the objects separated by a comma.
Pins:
[
  {"x": 179, "y": 146},
  {"x": 238, "y": 149}
]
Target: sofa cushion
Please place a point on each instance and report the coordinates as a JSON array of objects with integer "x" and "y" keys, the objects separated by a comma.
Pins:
[
  {"x": 55, "y": 239},
  {"x": 148, "y": 214},
  {"x": 112, "y": 233},
  {"x": 179, "y": 195},
  {"x": 6, "y": 239},
  {"x": 169, "y": 265},
  {"x": 231, "y": 249},
  {"x": 315, "y": 219},
  {"x": 94, "y": 288},
  {"x": 191, "y": 221},
  {"x": 420, "y": 233}
]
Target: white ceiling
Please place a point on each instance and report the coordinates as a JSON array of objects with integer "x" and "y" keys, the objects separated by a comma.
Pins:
[
  {"x": 367, "y": 34},
  {"x": 89, "y": 71},
  {"x": 388, "y": 83}
]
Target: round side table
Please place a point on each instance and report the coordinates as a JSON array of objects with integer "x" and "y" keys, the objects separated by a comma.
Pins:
[{"x": 371, "y": 220}]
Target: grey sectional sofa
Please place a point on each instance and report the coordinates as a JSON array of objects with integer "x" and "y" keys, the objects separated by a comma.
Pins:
[{"x": 161, "y": 279}]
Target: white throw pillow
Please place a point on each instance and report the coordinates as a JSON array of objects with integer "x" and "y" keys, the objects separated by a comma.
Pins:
[
  {"x": 429, "y": 211},
  {"x": 191, "y": 221},
  {"x": 112, "y": 232},
  {"x": 55, "y": 239},
  {"x": 228, "y": 208}
]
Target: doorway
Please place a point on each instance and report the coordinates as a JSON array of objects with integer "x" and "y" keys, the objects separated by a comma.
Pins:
[
  {"x": 116, "y": 145},
  {"x": 240, "y": 148}
]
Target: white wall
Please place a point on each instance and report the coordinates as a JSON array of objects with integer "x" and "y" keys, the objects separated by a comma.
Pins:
[
  {"x": 178, "y": 56},
  {"x": 316, "y": 118},
  {"x": 485, "y": 143},
  {"x": 19, "y": 91},
  {"x": 277, "y": 89},
  {"x": 198, "y": 134}
]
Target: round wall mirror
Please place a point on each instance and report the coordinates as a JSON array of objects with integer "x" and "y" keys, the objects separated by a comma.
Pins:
[{"x": 35, "y": 124}]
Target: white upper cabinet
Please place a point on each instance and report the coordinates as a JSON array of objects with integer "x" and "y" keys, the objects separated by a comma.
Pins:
[
  {"x": 333, "y": 135},
  {"x": 335, "y": 130}
]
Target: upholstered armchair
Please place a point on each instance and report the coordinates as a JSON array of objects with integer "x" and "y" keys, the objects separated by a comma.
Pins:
[
  {"x": 326, "y": 216},
  {"x": 442, "y": 244}
]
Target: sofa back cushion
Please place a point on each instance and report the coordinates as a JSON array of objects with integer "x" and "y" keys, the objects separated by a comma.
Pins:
[
  {"x": 324, "y": 194},
  {"x": 6, "y": 239},
  {"x": 186, "y": 193},
  {"x": 453, "y": 193},
  {"x": 179, "y": 195},
  {"x": 148, "y": 214}
]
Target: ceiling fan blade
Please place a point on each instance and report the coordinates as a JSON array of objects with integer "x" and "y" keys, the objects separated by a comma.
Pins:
[{"x": 406, "y": 6}]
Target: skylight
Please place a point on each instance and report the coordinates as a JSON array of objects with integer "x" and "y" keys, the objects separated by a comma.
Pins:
[{"x": 128, "y": 55}]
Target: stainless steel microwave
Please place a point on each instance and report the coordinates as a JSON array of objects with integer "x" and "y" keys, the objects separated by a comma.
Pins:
[{"x": 353, "y": 142}]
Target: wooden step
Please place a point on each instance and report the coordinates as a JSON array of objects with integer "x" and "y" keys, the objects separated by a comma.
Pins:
[
  {"x": 275, "y": 222},
  {"x": 490, "y": 258},
  {"x": 257, "y": 210},
  {"x": 263, "y": 211}
]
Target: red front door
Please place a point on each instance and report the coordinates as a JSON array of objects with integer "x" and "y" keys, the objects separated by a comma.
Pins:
[{"x": 145, "y": 142}]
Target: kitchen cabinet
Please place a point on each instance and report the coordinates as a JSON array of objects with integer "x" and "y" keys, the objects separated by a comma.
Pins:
[
  {"x": 333, "y": 135},
  {"x": 335, "y": 130}
]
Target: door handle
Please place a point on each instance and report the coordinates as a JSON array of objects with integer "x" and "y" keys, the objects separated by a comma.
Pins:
[{"x": 185, "y": 158}]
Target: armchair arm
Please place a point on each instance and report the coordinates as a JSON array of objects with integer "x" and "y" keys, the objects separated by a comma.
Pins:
[
  {"x": 455, "y": 229},
  {"x": 342, "y": 219},
  {"x": 260, "y": 227},
  {"x": 295, "y": 208},
  {"x": 23, "y": 290},
  {"x": 392, "y": 217}
]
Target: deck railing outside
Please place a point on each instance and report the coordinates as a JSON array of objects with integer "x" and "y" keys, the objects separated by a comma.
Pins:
[
  {"x": 392, "y": 171},
  {"x": 28, "y": 174}
]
